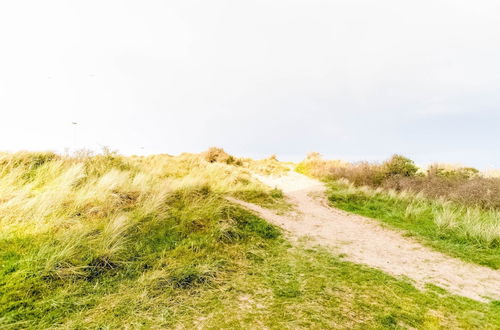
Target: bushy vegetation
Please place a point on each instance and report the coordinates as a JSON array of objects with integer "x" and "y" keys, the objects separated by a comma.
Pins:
[
  {"x": 476, "y": 191},
  {"x": 106, "y": 241},
  {"x": 267, "y": 166},
  {"x": 215, "y": 154},
  {"x": 464, "y": 185},
  {"x": 472, "y": 234},
  {"x": 362, "y": 173},
  {"x": 455, "y": 209}
]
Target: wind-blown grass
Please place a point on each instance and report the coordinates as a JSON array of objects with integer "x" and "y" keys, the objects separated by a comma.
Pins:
[
  {"x": 69, "y": 220},
  {"x": 472, "y": 234},
  {"x": 108, "y": 241}
]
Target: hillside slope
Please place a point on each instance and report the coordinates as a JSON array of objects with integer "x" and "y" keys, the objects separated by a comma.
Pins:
[{"x": 107, "y": 241}]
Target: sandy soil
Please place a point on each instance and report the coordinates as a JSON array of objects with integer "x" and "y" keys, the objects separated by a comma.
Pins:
[{"x": 365, "y": 241}]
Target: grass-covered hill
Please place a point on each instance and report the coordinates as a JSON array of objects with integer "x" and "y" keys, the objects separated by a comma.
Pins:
[{"x": 106, "y": 241}]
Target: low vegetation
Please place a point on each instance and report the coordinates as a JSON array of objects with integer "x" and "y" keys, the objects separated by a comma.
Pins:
[
  {"x": 464, "y": 185},
  {"x": 74, "y": 224},
  {"x": 455, "y": 210},
  {"x": 106, "y": 241},
  {"x": 469, "y": 233}
]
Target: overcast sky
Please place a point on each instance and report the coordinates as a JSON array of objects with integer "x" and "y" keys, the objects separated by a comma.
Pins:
[{"x": 350, "y": 79}]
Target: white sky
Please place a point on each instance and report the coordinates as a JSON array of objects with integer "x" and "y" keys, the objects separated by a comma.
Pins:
[{"x": 350, "y": 79}]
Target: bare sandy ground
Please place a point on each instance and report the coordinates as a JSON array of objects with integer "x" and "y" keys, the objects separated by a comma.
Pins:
[{"x": 365, "y": 241}]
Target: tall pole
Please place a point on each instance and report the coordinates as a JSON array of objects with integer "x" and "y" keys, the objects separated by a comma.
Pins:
[{"x": 75, "y": 124}]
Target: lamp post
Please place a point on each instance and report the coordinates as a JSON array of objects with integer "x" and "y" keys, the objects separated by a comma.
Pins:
[{"x": 75, "y": 124}]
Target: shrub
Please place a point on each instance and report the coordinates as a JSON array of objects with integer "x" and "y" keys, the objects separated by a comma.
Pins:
[
  {"x": 453, "y": 173},
  {"x": 218, "y": 155},
  {"x": 314, "y": 156},
  {"x": 460, "y": 184},
  {"x": 215, "y": 154},
  {"x": 483, "y": 192},
  {"x": 398, "y": 165}
]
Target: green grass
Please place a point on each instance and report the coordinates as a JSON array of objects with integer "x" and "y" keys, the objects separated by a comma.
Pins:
[
  {"x": 417, "y": 218},
  {"x": 227, "y": 269},
  {"x": 114, "y": 242},
  {"x": 272, "y": 199},
  {"x": 248, "y": 276},
  {"x": 198, "y": 243}
]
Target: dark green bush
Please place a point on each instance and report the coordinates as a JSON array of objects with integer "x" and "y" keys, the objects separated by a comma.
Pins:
[{"x": 399, "y": 165}]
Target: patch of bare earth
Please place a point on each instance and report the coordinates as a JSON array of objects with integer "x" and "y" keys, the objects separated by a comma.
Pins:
[{"x": 365, "y": 241}]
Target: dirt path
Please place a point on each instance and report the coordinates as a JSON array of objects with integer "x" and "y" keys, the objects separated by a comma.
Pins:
[{"x": 365, "y": 241}]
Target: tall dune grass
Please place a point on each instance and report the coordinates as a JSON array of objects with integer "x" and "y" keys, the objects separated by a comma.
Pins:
[
  {"x": 472, "y": 233},
  {"x": 43, "y": 191},
  {"x": 88, "y": 218},
  {"x": 111, "y": 242}
]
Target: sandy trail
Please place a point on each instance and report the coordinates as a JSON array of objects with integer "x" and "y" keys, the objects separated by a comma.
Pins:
[{"x": 365, "y": 241}]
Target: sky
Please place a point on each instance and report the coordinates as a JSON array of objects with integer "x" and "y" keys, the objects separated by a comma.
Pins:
[{"x": 353, "y": 79}]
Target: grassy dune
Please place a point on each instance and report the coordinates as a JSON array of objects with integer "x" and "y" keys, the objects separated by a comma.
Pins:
[
  {"x": 74, "y": 228},
  {"x": 105, "y": 241},
  {"x": 456, "y": 211}
]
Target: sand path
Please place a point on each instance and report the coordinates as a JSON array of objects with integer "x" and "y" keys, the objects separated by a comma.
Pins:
[{"x": 365, "y": 241}]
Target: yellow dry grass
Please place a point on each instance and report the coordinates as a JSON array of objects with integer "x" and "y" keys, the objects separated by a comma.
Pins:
[{"x": 42, "y": 192}]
